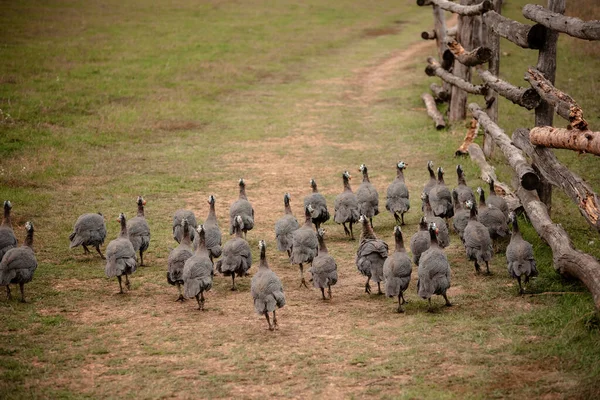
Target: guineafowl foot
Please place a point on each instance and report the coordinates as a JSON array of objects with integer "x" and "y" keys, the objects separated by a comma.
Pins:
[
  {"x": 234, "y": 289},
  {"x": 8, "y": 295},
  {"x": 85, "y": 249},
  {"x": 180, "y": 298},
  {"x": 275, "y": 325},
  {"x": 303, "y": 283},
  {"x": 99, "y": 252},
  {"x": 367, "y": 288},
  {"x": 448, "y": 304},
  {"x": 329, "y": 292},
  {"x": 379, "y": 292},
  {"x": 323, "y": 294},
  {"x": 400, "y": 310}
]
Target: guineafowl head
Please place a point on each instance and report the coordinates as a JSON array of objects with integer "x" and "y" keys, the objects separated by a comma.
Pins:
[
  {"x": 121, "y": 217},
  {"x": 141, "y": 201},
  {"x": 469, "y": 204},
  {"x": 29, "y": 226},
  {"x": 430, "y": 165},
  {"x": 184, "y": 222},
  {"x": 200, "y": 229},
  {"x": 362, "y": 218},
  {"x": 459, "y": 169},
  {"x": 401, "y": 165},
  {"x": 321, "y": 232},
  {"x": 346, "y": 175},
  {"x": 313, "y": 183},
  {"x": 238, "y": 221},
  {"x": 511, "y": 217},
  {"x": 397, "y": 230},
  {"x": 424, "y": 196},
  {"x": 286, "y": 199},
  {"x": 423, "y": 223},
  {"x": 363, "y": 168},
  {"x": 433, "y": 228},
  {"x": 440, "y": 172},
  {"x": 262, "y": 245},
  {"x": 7, "y": 205},
  {"x": 241, "y": 182},
  {"x": 479, "y": 190}
]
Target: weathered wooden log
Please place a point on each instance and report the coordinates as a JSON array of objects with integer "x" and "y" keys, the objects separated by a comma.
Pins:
[
  {"x": 567, "y": 260},
  {"x": 528, "y": 98},
  {"x": 527, "y": 176},
  {"x": 433, "y": 112},
  {"x": 463, "y": 149},
  {"x": 571, "y": 139},
  {"x": 428, "y": 35},
  {"x": 526, "y": 36},
  {"x": 477, "y": 56},
  {"x": 560, "y": 176},
  {"x": 451, "y": 31},
  {"x": 439, "y": 93},
  {"x": 588, "y": 30},
  {"x": 491, "y": 99},
  {"x": 563, "y": 104},
  {"x": 435, "y": 69},
  {"x": 476, "y": 9}
]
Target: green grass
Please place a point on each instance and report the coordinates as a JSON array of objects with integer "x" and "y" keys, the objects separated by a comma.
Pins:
[{"x": 177, "y": 100}]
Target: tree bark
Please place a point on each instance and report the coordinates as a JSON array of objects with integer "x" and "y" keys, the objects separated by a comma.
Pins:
[
  {"x": 439, "y": 93},
  {"x": 567, "y": 260},
  {"x": 528, "y": 98},
  {"x": 477, "y": 56},
  {"x": 435, "y": 69},
  {"x": 469, "y": 137},
  {"x": 589, "y": 30},
  {"x": 492, "y": 40},
  {"x": 562, "y": 103},
  {"x": 557, "y": 174},
  {"x": 526, "y": 36},
  {"x": 572, "y": 139},
  {"x": 527, "y": 176},
  {"x": 460, "y": 9},
  {"x": 433, "y": 112}
]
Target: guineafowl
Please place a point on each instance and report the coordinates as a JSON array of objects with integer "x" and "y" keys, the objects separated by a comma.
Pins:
[
  {"x": 237, "y": 257},
  {"x": 89, "y": 230},
  {"x": 120, "y": 256},
  {"x": 493, "y": 218},
  {"x": 434, "y": 270},
  {"x": 420, "y": 241},
  {"x": 243, "y": 208},
  {"x": 440, "y": 198},
  {"x": 324, "y": 267},
  {"x": 305, "y": 245},
  {"x": 346, "y": 206},
  {"x": 430, "y": 183},
  {"x": 198, "y": 271},
  {"x": 212, "y": 231},
  {"x": 177, "y": 258},
  {"x": 462, "y": 191},
  {"x": 519, "y": 255},
  {"x": 178, "y": 219},
  {"x": 477, "y": 241},
  {"x": 443, "y": 237},
  {"x": 397, "y": 195},
  {"x": 139, "y": 231},
  {"x": 461, "y": 216},
  {"x": 18, "y": 264},
  {"x": 266, "y": 289},
  {"x": 371, "y": 255},
  {"x": 497, "y": 201},
  {"x": 285, "y": 227},
  {"x": 8, "y": 240},
  {"x": 397, "y": 270},
  {"x": 368, "y": 198},
  {"x": 320, "y": 215}
]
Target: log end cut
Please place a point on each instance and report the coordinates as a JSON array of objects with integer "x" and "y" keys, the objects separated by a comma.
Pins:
[
  {"x": 530, "y": 180},
  {"x": 536, "y": 37}
]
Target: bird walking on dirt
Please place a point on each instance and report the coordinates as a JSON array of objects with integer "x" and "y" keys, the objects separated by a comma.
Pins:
[{"x": 266, "y": 289}]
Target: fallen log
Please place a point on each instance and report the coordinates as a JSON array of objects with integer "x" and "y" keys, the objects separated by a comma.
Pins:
[
  {"x": 433, "y": 112},
  {"x": 477, "y": 56},
  {"x": 528, "y": 98},
  {"x": 463, "y": 149},
  {"x": 435, "y": 69},
  {"x": 476, "y": 9},
  {"x": 439, "y": 93},
  {"x": 558, "y": 175},
  {"x": 428, "y": 35},
  {"x": 526, "y": 36},
  {"x": 563, "y": 104},
  {"x": 571, "y": 139},
  {"x": 527, "y": 176},
  {"x": 567, "y": 260},
  {"x": 588, "y": 30}
]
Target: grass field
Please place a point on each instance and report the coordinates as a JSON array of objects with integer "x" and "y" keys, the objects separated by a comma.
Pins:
[{"x": 103, "y": 101}]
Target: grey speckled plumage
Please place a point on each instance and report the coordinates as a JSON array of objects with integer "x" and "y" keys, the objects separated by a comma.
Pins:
[
  {"x": 443, "y": 236},
  {"x": 497, "y": 201},
  {"x": 139, "y": 230},
  {"x": 120, "y": 256},
  {"x": 178, "y": 219},
  {"x": 198, "y": 272},
  {"x": 397, "y": 270},
  {"x": 243, "y": 208},
  {"x": 420, "y": 241},
  {"x": 320, "y": 214},
  {"x": 8, "y": 240},
  {"x": 493, "y": 218},
  {"x": 430, "y": 183},
  {"x": 434, "y": 271},
  {"x": 89, "y": 230},
  {"x": 177, "y": 258},
  {"x": 212, "y": 231},
  {"x": 266, "y": 289},
  {"x": 371, "y": 255},
  {"x": 440, "y": 198},
  {"x": 519, "y": 255},
  {"x": 237, "y": 257},
  {"x": 346, "y": 206},
  {"x": 462, "y": 192},
  {"x": 460, "y": 218},
  {"x": 305, "y": 245},
  {"x": 285, "y": 227},
  {"x": 324, "y": 267},
  {"x": 397, "y": 199},
  {"x": 368, "y": 198},
  {"x": 477, "y": 241},
  {"x": 18, "y": 264}
]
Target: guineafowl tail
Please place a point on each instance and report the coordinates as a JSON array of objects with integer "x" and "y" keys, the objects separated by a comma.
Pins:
[
  {"x": 279, "y": 299},
  {"x": 75, "y": 240},
  {"x": 216, "y": 251},
  {"x": 111, "y": 269},
  {"x": 191, "y": 287},
  {"x": 169, "y": 280}
]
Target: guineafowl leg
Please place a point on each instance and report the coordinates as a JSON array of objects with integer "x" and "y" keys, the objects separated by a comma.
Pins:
[
  {"x": 400, "y": 300},
  {"x": 397, "y": 218},
  {"x": 402, "y": 218},
  {"x": 22, "y": 287},
  {"x": 323, "y": 293},
  {"x": 317, "y": 224},
  {"x": 8, "y": 295},
  {"x": 85, "y": 249},
  {"x": 180, "y": 298},
  {"x": 403, "y": 299},
  {"x": 275, "y": 320},
  {"x": 233, "y": 288},
  {"x": 379, "y": 292},
  {"x": 141, "y": 259},
  {"x": 371, "y": 221},
  {"x": 127, "y": 283},
  {"x": 202, "y": 301},
  {"x": 99, "y": 252},
  {"x": 289, "y": 253},
  {"x": 429, "y": 309},
  {"x": 367, "y": 286},
  {"x": 448, "y": 304},
  {"x": 329, "y": 291},
  {"x": 351, "y": 233},
  {"x": 521, "y": 291},
  {"x": 269, "y": 321},
  {"x": 120, "y": 285},
  {"x": 302, "y": 280},
  {"x": 346, "y": 231},
  {"x": 199, "y": 303},
  {"x": 487, "y": 267},
  {"x": 477, "y": 269}
]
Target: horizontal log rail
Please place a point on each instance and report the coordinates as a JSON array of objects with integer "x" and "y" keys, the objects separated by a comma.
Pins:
[
  {"x": 563, "y": 104},
  {"x": 439, "y": 93},
  {"x": 527, "y": 176},
  {"x": 588, "y": 30},
  {"x": 475, "y": 9},
  {"x": 435, "y": 69},
  {"x": 528, "y": 98},
  {"x": 571, "y": 139},
  {"x": 430, "y": 35},
  {"x": 525, "y": 36},
  {"x": 477, "y": 56}
]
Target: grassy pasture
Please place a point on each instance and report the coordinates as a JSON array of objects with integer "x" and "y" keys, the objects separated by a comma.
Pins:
[{"x": 102, "y": 101}]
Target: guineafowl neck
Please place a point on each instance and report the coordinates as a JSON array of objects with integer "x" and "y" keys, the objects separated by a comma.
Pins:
[
  {"x": 461, "y": 180},
  {"x": 482, "y": 199},
  {"x": 6, "y": 218},
  {"x": 515, "y": 226},
  {"x": 243, "y": 193},
  {"x": 322, "y": 245},
  {"x": 201, "y": 245},
  {"x": 366, "y": 177},
  {"x": 433, "y": 237},
  {"x": 314, "y": 189},
  {"x": 347, "y": 187},
  {"x": 400, "y": 244},
  {"x": 186, "y": 235},
  {"x": 308, "y": 221},
  {"x": 123, "y": 228},
  {"x": 29, "y": 239},
  {"x": 473, "y": 213},
  {"x": 400, "y": 174},
  {"x": 367, "y": 231},
  {"x": 140, "y": 212},
  {"x": 431, "y": 173},
  {"x": 212, "y": 214}
]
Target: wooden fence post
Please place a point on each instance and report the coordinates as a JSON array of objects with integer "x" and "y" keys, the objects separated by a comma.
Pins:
[{"x": 493, "y": 43}]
